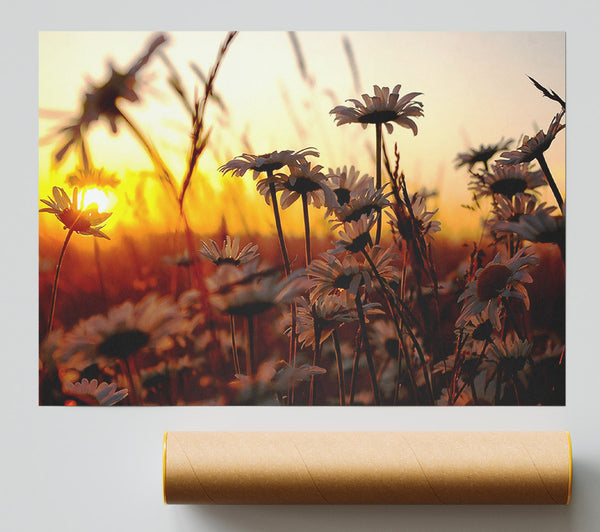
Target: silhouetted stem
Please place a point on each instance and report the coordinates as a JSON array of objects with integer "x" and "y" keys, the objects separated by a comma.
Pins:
[
  {"x": 551, "y": 182},
  {"x": 306, "y": 228},
  {"x": 370, "y": 364},
  {"x": 250, "y": 352},
  {"x": 100, "y": 276},
  {"x": 378, "y": 176},
  {"x": 236, "y": 361},
  {"x": 132, "y": 393},
  {"x": 340, "y": 368},
  {"x": 312, "y": 396},
  {"x": 56, "y": 276},
  {"x": 284, "y": 254}
]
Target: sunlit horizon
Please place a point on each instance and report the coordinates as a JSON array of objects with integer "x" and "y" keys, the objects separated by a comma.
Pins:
[{"x": 475, "y": 91}]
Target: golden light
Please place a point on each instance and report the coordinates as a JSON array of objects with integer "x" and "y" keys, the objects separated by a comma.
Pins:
[{"x": 102, "y": 199}]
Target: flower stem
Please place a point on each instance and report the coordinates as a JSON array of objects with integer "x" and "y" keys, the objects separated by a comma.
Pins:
[
  {"x": 357, "y": 342},
  {"x": 370, "y": 364},
  {"x": 250, "y": 351},
  {"x": 378, "y": 176},
  {"x": 100, "y": 277},
  {"x": 544, "y": 166},
  {"x": 284, "y": 254},
  {"x": 55, "y": 285},
  {"x": 125, "y": 370},
  {"x": 306, "y": 228},
  {"x": 340, "y": 368},
  {"x": 288, "y": 270},
  {"x": 312, "y": 396},
  {"x": 236, "y": 360}
]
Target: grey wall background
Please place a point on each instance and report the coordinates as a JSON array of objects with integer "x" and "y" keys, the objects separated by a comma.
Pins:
[{"x": 100, "y": 469}]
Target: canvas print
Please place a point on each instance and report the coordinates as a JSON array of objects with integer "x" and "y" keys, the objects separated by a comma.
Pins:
[{"x": 302, "y": 218}]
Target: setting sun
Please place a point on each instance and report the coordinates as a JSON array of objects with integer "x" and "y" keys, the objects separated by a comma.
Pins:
[{"x": 103, "y": 200}]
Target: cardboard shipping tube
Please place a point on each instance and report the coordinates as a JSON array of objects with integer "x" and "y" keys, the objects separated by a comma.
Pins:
[{"x": 367, "y": 467}]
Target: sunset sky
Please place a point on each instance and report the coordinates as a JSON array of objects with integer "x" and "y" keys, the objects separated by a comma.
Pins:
[{"x": 475, "y": 90}]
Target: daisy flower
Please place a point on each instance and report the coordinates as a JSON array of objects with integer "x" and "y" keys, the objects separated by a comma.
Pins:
[
  {"x": 331, "y": 276},
  {"x": 151, "y": 324},
  {"x": 304, "y": 181},
  {"x": 248, "y": 291},
  {"x": 84, "y": 222},
  {"x": 356, "y": 236},
  {"x": 384, "y": 107},
  {"x": 482, "y": 154},
  {"x": 538, "y": 226},
  {"x": 368, "y": 201},
  {"x": 511, "y": 209},
  {"x": 93, "y": 178},
  {"x": 328, "y": 313},
  {"x": 101, "y": 101},
  {"x": 498, "y": 280},
  {"x": 347, "y": 183},
  {"x": 230, "y": 252},
  {"x": 94, "y": 394},
  {"x": 509, "y": 362},
  {"x": 268, "y": 162},
  {"x": 506, "y": 181},
  {"x": 533, "y": 148},
  {"x": 384, "y": 337}
]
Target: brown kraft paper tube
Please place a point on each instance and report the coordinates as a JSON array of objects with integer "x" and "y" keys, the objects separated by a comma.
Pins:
[{"x": 367, "y": 467}]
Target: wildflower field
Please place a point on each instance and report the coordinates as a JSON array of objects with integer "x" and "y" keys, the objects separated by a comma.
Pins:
[{"x": 307, "y": 254}]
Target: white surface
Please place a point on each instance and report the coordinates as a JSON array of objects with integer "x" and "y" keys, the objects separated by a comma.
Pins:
[{"x": 72, "y": 469}]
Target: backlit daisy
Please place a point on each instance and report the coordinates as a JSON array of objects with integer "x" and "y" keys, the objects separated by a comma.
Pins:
[
  {"x": 230, "y": 252},
  {"x": 93, "y": 178},
  {"x": 498, "y": 280},
  {"x": 94, "y": 394},
  {"x": 511, "y": 209},
  {"x": 84, "y": 222},
  {"x": 509, "y": 362},
  {"x": 347, "y": 183},
  {"x": 268, "y": 162},
  {"x": 536, "y": 227},
  {"x": 151, "y": 324},
  {"x": 368, "y": 201},
  {"x": 481, "y": 155},
  {"x": 248, "y": 291},
  {"x": 532, "y": 148},
  {"x": 356, "y": 235},
  {"x": 332, "y": 276},
  {"x": 101, "y": 101},
  {"x": 506, "y": 181},
  {"x": 304, "y": 180},
  {"x": 328, "y": 313},
  {"x": 384, "y": 107}
]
